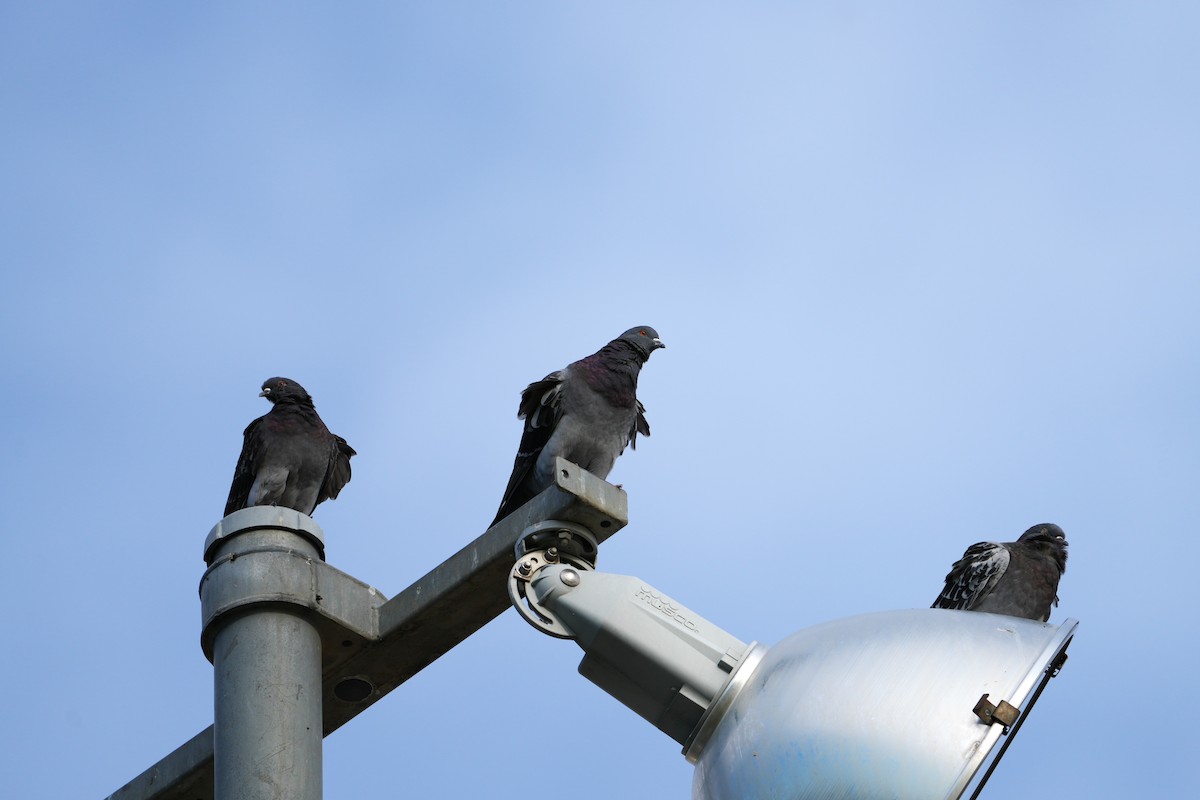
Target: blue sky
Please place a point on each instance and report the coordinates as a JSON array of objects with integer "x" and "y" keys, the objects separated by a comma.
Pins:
[{"x": 928, "y": 274}]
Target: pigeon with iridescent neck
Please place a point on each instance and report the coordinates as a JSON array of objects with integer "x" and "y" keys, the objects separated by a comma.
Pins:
[{"x": 586, "y": 413}]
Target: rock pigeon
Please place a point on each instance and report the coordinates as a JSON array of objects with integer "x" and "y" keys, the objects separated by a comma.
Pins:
[
  {"x": 1016, "y": 578},
  {"x": 289, "y": 458},
  {"x": 585, "y": 413}
]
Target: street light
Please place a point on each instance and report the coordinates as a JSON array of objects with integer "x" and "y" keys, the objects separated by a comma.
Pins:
[
  {"x": 868, "y": 707},
  {"x": 896, "y": 704}
]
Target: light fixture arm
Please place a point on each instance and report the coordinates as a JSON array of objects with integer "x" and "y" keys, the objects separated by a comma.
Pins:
[{"x": 656, "y": 656}]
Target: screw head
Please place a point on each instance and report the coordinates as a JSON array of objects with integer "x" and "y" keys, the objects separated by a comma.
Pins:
[{"x": 569, "y": 576}]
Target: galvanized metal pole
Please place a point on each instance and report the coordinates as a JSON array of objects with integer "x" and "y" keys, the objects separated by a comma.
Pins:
[
  {"x": 257, "y": 597},
  {"x": 370, "y": 644}
]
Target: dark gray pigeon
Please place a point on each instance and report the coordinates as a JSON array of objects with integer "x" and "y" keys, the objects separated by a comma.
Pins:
[
  {"x": 1016, "y": 578},
  {"x": 585, "y": 413},
  {"x": 289, "y": 458}
]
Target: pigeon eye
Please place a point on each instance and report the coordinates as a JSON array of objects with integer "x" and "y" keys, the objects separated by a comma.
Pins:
[{"x": 641, "y": 333}]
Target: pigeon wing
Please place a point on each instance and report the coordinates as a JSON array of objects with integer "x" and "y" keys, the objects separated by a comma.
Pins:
[
  {"x": 338, "y": 474},
  {"x": 973, "y": 576},
  {"x": 246, "y": 469},
  {"x": 640, "y": 425},
  {"x": 541, "y": 409}
]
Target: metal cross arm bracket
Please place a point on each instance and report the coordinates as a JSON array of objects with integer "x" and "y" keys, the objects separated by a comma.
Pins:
[
  {"x": 270, "y": 603},
  {"x": 656, "y": 656},
  {"x": 274, "y": 613},
  {"x": 271, "y": 556}
]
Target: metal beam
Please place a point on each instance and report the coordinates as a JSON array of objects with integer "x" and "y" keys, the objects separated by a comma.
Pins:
[{"x": 370, "y": 647}]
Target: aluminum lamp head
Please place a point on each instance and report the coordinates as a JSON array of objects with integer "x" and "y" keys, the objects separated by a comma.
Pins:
[{"x": 875, "y": 706}]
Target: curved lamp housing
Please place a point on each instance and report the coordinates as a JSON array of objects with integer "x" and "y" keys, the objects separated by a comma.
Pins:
[
  {"x": 878, "y": 706},
  {"x": 885, "y": 706}
]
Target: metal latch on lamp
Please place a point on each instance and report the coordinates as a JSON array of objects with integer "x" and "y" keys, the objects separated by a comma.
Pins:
[{"x": 1005, "y": 713}]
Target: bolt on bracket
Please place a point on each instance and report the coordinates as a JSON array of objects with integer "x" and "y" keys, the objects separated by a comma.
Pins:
[
  {"x": 1004, "y": 712},
  {"x": 563, "y": 537},
  {"x": 542, "y": 545}
]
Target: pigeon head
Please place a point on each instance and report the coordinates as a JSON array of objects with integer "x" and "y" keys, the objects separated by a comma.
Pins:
[
  {"x": 1049, "y": 536},
  {"x": 1046, "y": 532},
  {"x": 279, "y": 390},
  {"x": 643, "y": 338}
]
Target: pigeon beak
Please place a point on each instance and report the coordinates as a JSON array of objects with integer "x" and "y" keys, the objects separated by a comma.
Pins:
[
  {"x": 658, "y": 343},
  {"x": 264, "y": 393}
]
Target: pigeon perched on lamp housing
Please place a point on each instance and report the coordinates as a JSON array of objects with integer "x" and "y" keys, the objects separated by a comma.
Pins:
[{"x": 1018, "y": 578}]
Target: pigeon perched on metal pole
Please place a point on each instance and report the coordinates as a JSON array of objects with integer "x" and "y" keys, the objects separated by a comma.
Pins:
[
  {"x": 289, "y": 458},
  {"x": 586, "y": 413},
  {"x": 1016, "y": 578}
]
